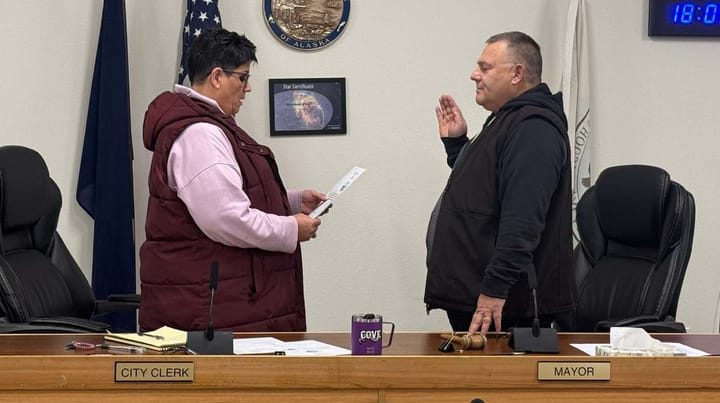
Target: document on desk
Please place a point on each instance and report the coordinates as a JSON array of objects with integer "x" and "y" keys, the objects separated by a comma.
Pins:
[
  {"x": 258, "y": 345},
  {"x": 271, "y": 345},
  {"x": 340, "y": 186},
  {"x": 313, "y": 348}
]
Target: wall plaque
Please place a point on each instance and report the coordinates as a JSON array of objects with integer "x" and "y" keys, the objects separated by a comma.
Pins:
[{"x": 307, "y": 24}]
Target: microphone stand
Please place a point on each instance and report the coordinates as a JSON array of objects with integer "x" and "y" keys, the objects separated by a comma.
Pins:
[
  {"x": 534, "y": 339},
  {"x": 210, "y": 342}
]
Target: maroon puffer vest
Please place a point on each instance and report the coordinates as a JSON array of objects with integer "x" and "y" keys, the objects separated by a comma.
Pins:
[{"x": 257, "y": 290}]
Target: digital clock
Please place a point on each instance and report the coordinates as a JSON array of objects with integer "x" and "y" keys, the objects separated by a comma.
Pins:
[{"x": 684, "y": 18}]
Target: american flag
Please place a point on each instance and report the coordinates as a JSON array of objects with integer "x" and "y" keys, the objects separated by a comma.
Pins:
[{"x": 200, "y": 16}]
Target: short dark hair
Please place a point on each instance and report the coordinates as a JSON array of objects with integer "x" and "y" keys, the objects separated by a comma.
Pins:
[
  {"x": 525, "y": 50},
  {"x": 218, "y": 48}
]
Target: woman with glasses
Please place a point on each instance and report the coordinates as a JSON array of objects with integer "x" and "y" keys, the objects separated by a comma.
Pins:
[{"x": 216, "y": 196}]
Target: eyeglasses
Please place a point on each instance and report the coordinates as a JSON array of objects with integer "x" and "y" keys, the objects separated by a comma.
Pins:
[
  {"x": 81, "y": 345},
  {"x": 244, "y": 76}
]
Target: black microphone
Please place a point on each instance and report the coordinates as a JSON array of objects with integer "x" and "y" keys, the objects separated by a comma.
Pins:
[
  {"x": 210, "y": 341},
  {"x": 532, "y": 283},
  {"x": 210, "y": 329},
  {"x": 536, "y": 319},
  {"x": 534, "y": 339}
]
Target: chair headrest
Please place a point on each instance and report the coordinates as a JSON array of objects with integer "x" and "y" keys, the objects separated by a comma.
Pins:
[
  {"x": 24, "y": 187},
  {"x": 631, "y": 203}
]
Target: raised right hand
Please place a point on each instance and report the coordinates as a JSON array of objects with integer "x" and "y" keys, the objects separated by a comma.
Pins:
[
  {"x": 307, "y": 227},
  {"x": 451, "y": 122}
]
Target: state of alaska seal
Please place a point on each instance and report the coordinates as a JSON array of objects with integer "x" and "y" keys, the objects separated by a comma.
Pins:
[{"x": 307, "y": 24}]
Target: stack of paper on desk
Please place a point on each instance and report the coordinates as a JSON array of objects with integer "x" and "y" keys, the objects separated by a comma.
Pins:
[{"x": 271, "y": 345}]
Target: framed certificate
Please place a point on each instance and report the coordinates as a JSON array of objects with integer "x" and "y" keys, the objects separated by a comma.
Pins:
[{"x": 307, "y": 106}]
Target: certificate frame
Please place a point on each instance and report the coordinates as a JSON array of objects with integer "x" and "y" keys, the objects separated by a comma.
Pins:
[{"x": 307, "y": 106}]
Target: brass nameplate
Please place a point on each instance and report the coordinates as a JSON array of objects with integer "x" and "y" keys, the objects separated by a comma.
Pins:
[
  {"x": 573, "y": 371},
  {"x": 154, "y": 371}
]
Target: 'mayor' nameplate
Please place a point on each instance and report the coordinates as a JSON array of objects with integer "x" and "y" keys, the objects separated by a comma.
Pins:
[
  {"x": 573, "y": 371},
  {"x": 138, "y": 371}
]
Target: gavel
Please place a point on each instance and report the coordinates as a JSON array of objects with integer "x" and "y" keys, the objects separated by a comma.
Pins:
[{"x": 463, "y": 342}]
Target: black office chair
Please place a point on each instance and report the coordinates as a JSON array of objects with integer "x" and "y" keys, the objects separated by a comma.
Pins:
[
  {"x": 636, "y": 231},
  {"x": 42, "y": 289}
]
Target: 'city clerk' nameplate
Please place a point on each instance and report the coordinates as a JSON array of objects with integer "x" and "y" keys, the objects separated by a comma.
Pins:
[
  {"x": 154, "y": 371},
  {"x": 573, "y": 371}
]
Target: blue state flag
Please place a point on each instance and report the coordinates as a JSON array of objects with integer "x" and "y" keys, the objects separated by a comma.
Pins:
[
  {"x": 200, "y": 15},
  {"x": 105, "y": 183}
]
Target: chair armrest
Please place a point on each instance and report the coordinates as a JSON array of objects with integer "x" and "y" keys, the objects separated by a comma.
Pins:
[
  {"x": 117, "y": 303},
  {"x": 40, "y": 327},
  {"x": 124, "y": 298},
  {"x": 663, "y": 327},
  {"x": 61, "y": 324},
  {"x": 651, "y": 323},
  {"x": 23, "y": 328}
]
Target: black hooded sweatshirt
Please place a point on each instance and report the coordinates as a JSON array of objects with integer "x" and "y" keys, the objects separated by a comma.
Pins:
[{"x": 506, "y": 212}]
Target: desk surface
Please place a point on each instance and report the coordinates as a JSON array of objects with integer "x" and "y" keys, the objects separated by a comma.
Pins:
[
  {"x": 404, "y": 344},
  {"x": 412, "y": 370}
]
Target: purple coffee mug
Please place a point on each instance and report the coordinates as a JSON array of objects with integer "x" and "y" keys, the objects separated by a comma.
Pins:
[{"x": 366, "y": 334}]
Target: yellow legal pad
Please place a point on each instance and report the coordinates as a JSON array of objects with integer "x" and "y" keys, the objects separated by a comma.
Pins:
[{"x": 162, "y": 339}]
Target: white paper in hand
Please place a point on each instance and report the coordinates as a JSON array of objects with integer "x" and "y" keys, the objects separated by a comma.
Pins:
[{"x": 339, "y": 187}]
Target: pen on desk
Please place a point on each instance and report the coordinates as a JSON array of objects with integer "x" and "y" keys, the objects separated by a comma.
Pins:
[
  {"x": 154, "y": 336},
  {"x": 130, "y": 349},
  {"x": 279, "y": 352}
]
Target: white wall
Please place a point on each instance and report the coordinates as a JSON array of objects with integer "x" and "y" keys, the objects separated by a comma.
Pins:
[{"x": 650, "y": 105}]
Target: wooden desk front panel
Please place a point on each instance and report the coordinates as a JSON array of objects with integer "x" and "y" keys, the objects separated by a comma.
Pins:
[{"x": 419, "y": 396}]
